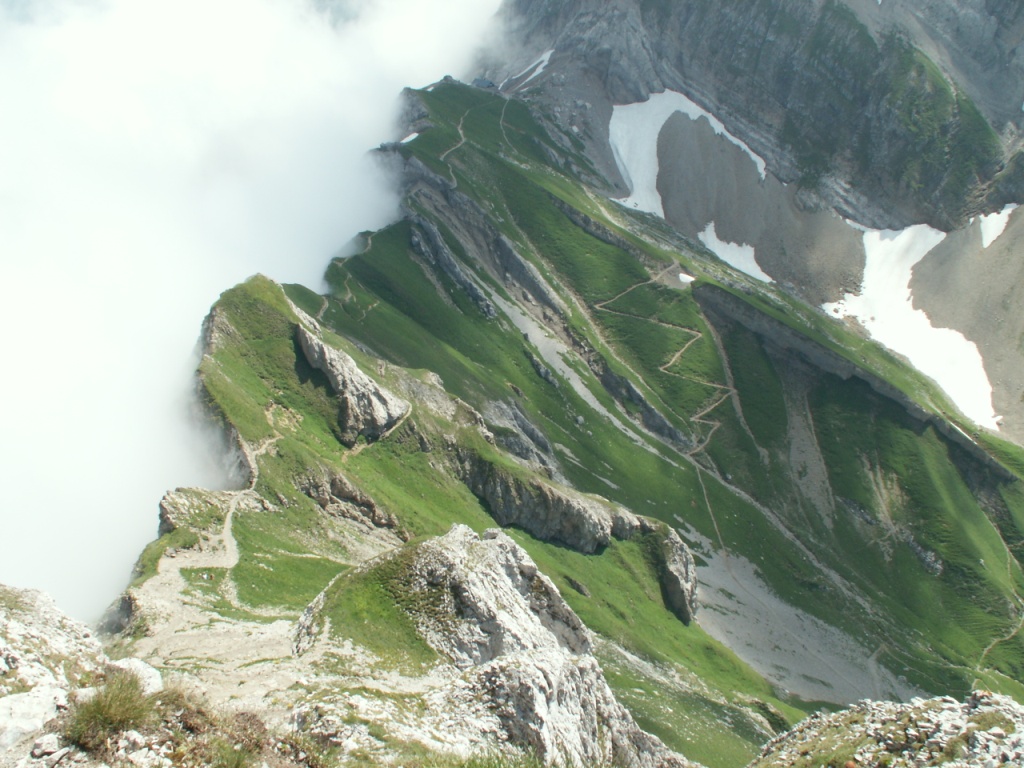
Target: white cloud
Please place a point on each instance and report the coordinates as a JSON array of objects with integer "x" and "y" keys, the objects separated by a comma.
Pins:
[{"x": 154, "y": 154}]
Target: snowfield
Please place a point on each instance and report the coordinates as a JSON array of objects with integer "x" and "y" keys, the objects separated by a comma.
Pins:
[
  {"x": 883, "y": 305},
  {"x": 538, "y": 66},
  {"x": 633, "y": 132},
  {"x": 737, "y": 255},
  {"x": 885, "y": 308},
  {"x": 993, "y": 224}
]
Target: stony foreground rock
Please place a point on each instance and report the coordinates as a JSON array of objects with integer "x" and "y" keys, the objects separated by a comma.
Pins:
[
  {"x": 984, "y": 731},
  {"x": 43, "y": 655},
  {"x": 526, "y": 652},
  {"x": 46, "y": 659}
]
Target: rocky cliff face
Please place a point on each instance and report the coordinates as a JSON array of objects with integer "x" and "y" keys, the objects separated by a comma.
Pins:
[
  {"x": 584, "y": 523},
  {"x": 845, "y": 102},
  {"x": 524, "y": 649}
]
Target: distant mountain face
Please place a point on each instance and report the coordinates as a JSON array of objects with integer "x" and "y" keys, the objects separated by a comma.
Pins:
[
  {"x": 886, "y": 114},
  {"x": 895, "y": 113}
]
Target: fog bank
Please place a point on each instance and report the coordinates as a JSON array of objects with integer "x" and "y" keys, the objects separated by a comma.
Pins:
[{"x": 153, "y": 155}]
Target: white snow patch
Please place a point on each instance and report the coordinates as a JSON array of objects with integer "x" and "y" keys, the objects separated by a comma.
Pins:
[
  {"x": 634, "y": 130},
  {"x": 738, "y": 255},
  {"x": 409, "y": 138},
  {"x": 685, "y": 278},
  {"x": 885, "y": 308},
  {"x": 538, "y": 67},
  {"x": 993, "y": 225}
]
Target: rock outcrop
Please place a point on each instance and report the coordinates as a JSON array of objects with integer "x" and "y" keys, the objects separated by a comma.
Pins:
[
  {"x": 580, "y": 522},
  {"x": 45, "y": 657},
  {"x": 678, "y": 575},
  {"x": 525, "y": 651},
  {"x": 986, "y": 729},
  {"x": 549, "y": 512},
  {"x": 485, "y": 245},
  {"x": 368, "y": 410},
  {"x": 426, "y": 240},
  {"x": 337, "y": 496}
]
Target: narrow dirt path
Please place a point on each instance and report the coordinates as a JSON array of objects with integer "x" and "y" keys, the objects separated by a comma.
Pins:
[
  {"x": 501, "y": 124},
  {"x": 242, "y": 655},
  {"x": 734, "y": 395},
  {"x": 217, "y": 551},
  {"x": 1010, "y": 560},
  {"x": 461, "y": 141}
]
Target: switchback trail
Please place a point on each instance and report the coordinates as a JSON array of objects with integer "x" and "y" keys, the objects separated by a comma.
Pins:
[{"x": 724, "y": 391}]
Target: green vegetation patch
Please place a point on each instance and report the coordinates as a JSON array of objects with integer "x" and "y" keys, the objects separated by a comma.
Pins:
[
  {"x": 146, "y": 566},
  {"x": 375, "y": 608},
  {"x": 119, "y": 705}
]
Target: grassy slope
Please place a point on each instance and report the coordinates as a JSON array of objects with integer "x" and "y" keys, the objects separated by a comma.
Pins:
[
  {"x": 382, "y": 299},
  {"x": 624, "y": 602},
  {"x": 942, "y": 514}
]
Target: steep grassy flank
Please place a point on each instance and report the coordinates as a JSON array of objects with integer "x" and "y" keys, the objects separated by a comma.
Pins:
[
  {"x": 903, "y": 502},
  {"x": 372, "y": 606},
  {"x": 288, "y": 555},
  {"x": 639, "y": 328}
]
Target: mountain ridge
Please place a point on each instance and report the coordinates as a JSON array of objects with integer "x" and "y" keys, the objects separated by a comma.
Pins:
[{"x": 722, "y": 510}]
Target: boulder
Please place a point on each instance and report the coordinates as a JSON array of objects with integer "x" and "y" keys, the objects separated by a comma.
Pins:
[
  {"x": 46, "y": 744},
  {"x": 22, "y": 714},
  {"x": 678, "y": 577},
  {"x": 150, "y": 678},
  {"x": 367, "y": 409}
]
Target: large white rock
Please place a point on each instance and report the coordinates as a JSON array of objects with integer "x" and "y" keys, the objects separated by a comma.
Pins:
[
  {"x": 45, "y": 654},
  {"x": 23, "y": 714},
  {"x": 367, "y": 409},
  {"x": 525, "y": 652},
  {"x": 151, "y": 679}
]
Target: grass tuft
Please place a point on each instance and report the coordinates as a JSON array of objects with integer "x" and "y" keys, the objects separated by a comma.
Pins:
[{"x": 119, "y": 705}]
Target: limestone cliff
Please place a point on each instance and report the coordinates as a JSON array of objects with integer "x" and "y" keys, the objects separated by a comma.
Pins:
[
  {"x": 367, "y": 409},
  {"x": 584, "y": 523},
  {"x": 844, "y": 98},
  {"x": 523, "y": 655}
]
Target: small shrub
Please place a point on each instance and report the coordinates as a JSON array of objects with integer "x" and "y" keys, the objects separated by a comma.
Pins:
[
  {"x": 308, "y": 751},
  {"x": 993, "y": 719},
  {"x": 119, "y": 705},
  {"x": 183, "y": 713},
  {"x": 226, "y": 755}
]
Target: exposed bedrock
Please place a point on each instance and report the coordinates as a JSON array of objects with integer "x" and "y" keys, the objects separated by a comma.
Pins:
[
  {"x": 526, "y": 652},
  {"x": 367, "y": 409},
  {"x": 584, "y": 523},
  {"x": 824, "y": 92}
]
